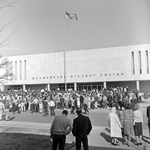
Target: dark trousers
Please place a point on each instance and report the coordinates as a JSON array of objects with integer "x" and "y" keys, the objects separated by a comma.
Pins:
[
  {"x": 52, "y": 111},
  {"x": 86, "y": 108},
  {"x": 72, "y": 109},
  {"x": 36, "y": 108},
  {"x": 14, "y": 108},
  {"x": 81, "y": 138},
  {"x": 59, "y": 140},
  {"x": 45, "y": 111}
]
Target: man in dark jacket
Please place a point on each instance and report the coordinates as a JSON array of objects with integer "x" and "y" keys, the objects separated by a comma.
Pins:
[
  {"x": 81, "y": 128},
  {"x": 148, "y": 116}
]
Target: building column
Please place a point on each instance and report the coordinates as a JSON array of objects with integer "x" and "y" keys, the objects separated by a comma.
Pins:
[
  {"x": 24, "y": 87},
  {"x": 138, "y": 85},
  {"x": 2, "y": 88},
  {"x": 105, "y": 84},
  {"x": 75, "y": 86},
  {"x": 48, "y": 87}
]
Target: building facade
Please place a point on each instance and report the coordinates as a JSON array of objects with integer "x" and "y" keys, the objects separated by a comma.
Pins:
[{"x": 83, "y": 69}]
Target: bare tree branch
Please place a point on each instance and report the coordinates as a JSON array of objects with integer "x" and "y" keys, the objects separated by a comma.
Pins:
[
  {"x": 9, "y": 5},
  {"x": 3, "y": 14},
  {"x": 5, "y": 26},
  {"x": 5, "y": 65},
  {"x": 6, "y": 70},
  {"x": 1, "y": 43}
]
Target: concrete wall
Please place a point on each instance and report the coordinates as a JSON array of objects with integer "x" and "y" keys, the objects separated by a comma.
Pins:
[{"x": 114, "y": 64}]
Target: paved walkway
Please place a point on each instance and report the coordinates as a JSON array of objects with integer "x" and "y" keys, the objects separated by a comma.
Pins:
[{"x": 99, "y": 138}]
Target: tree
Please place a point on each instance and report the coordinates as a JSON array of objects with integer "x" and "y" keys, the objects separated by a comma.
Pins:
[
  {"x": 6, "y": 25},
  {"x": 5, "y": 70},
  {"x": 5, "y": 65}
]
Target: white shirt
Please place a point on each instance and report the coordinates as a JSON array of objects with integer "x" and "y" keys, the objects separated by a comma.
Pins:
[
  {"x": 138, "y": 116},
  {"x": 51, "y": 103}
]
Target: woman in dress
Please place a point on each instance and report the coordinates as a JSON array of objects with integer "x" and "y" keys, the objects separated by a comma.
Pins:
[
  {"x": 138, "y": 121},
  {"x": 115, "y": 126},
  {"x": 127, "y": 124}
]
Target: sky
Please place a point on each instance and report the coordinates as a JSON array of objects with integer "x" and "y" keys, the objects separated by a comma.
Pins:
[{"x": 40, "y": 25}]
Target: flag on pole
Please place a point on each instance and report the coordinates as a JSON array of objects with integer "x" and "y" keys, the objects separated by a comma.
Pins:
[{"x": 70, "y": 16}]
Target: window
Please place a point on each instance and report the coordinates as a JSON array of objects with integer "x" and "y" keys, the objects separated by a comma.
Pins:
[
  {"x": 133, "y": 64},
  {"x": 11, "y": 69},
  {"x": 16, "y": 70},
  {"x": 25, "y": 70},
  {"x": 147, "y": 62},
  {"x": 20, "y": 70},
  {"x": 140, "y": 63}
]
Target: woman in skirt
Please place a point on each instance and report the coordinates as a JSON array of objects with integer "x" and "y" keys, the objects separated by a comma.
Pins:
[
  {"x": 138, "y": 121},
  {"x": 127, "y": 124}
]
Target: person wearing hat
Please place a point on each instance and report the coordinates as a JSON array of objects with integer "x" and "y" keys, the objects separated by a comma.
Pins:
[{"x": 81, "y": 128}]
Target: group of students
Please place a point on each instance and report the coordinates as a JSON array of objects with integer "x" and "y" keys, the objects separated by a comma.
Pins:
[
  {"x": 45, "y": 102},
  {"x": 126, "y": 124}
]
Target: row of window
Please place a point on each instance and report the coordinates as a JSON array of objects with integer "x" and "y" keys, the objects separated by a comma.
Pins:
[
  {"x": 140, "y": 69},
  {"x": 21, "y": 67},
  {"x": 72, "y": 76}
]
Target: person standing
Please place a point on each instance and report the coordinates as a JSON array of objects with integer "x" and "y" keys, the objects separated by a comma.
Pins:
[
  {"x": 81, "y": 128},
  {"x": 115, "y": 126},
  {"x": 7, "y": 107},
  {"x": 85, "y": 105},
  {"x": 62, "y": 100},
  {"x": 51, "y": 105},
  {"x": 45, "y": 107},
  {"x": 148, "y": 116},
  {"x": 128, "y": 124},
  {"x": 138, "y": 121},
  {"x": 61, "y": 126},
  {"x": 2, "y": 108}
]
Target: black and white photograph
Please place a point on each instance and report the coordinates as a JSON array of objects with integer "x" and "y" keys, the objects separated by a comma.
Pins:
[{"x": 74, "y": 74}]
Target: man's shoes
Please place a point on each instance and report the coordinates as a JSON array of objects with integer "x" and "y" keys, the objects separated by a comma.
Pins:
[
  {"x": 115, "y": 144},
  {"x": 137, "y": 143}
]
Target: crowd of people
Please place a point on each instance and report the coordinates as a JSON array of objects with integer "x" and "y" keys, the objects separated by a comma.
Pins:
[
  {"x": 44, "y": 102},
  {"x": 126, "y": 124},
  {"x": 124, "y": 119}
]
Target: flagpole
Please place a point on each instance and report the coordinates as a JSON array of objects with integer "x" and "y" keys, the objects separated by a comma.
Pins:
[{"x": 64, "y": 52}]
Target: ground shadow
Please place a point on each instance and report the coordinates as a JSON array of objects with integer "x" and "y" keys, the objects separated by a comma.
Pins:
[
  {"x": 106, "y": 148},
  {"x": 20, "y": 141},
  {"x": 106, "y": 136},
  {"x": 146, "y": 139},
  {"x": 11, "y": 118}
]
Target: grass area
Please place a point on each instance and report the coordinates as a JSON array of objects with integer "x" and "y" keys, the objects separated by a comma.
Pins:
[{"x": 13, "y": 139}]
